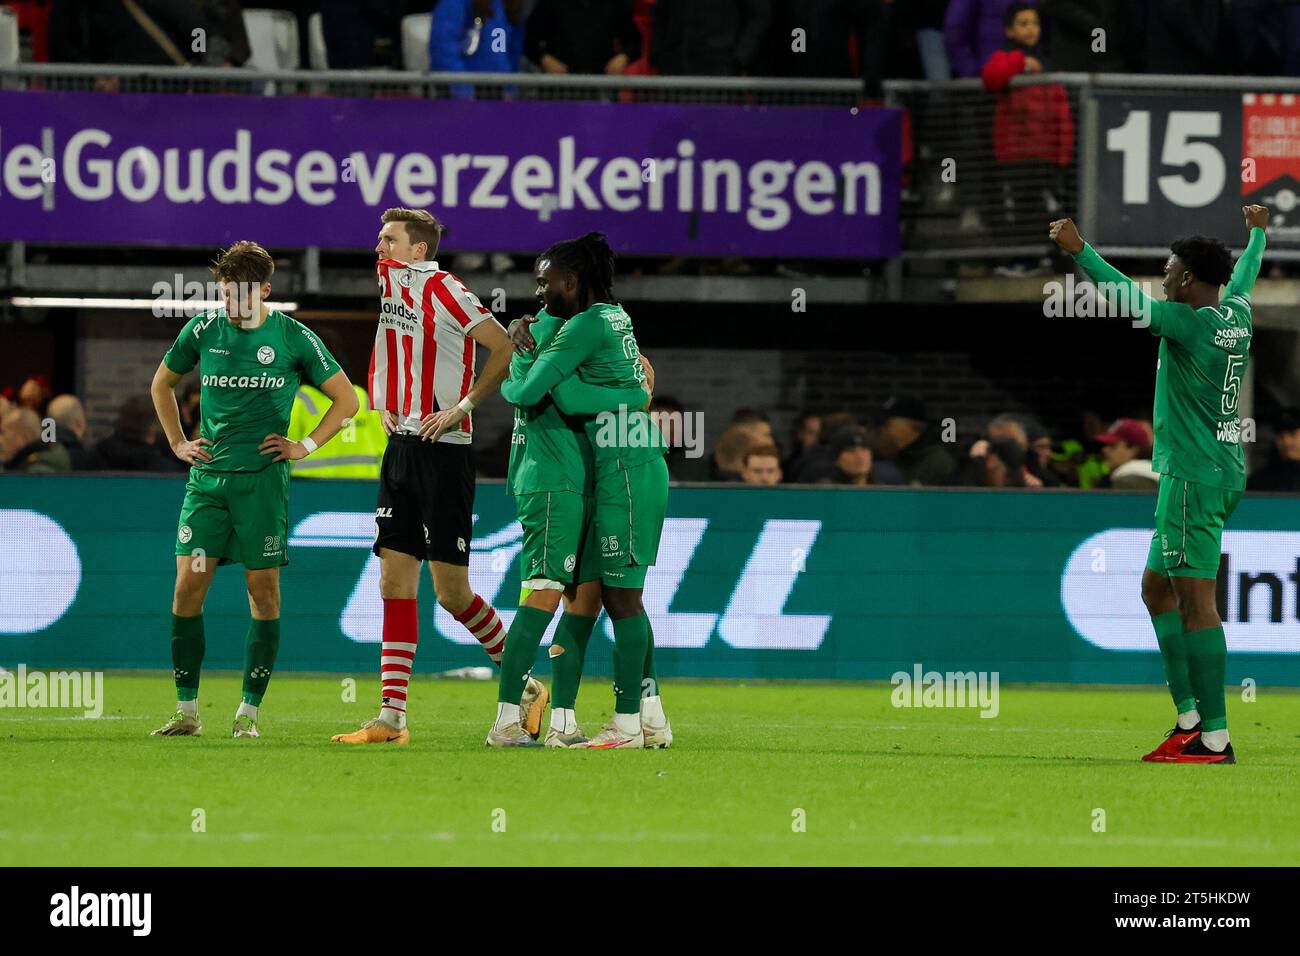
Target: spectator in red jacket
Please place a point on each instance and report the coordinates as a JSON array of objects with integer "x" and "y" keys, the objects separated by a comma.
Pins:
[{"x": 1033, "y": 131}]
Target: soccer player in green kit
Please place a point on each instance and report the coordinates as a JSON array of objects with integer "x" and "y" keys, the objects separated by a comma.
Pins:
[
  {"x": 1204, "y": 343},
  {"x": 236, "y": 508},
  {"x": 597, "y": 345},
  {"x": 551, "y": 476}
]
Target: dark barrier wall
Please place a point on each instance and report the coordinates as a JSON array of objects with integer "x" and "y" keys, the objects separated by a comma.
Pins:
[{"x": 771, "y": 583}]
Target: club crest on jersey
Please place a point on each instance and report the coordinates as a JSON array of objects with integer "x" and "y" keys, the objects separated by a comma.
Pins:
[
  {"x": 184, "y": 534},
  {"x": 569, "y": 562},
  {"x": 266, "y": 355},
  {"x": 404, "y": 278}
]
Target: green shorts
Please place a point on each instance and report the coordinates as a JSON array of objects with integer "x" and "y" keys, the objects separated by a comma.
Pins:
[
  {"x": 630, "y": 509},
  {"x": 559, "y": 540},
  {"x": 237, "y": 516},
  {"x": 1189, "y": 528}
]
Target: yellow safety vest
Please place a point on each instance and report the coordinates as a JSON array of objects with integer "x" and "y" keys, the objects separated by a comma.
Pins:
[{"x": 355, "y": 452}]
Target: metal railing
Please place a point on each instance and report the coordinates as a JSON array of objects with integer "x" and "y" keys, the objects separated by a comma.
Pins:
[
  {"x": 962, "y": 200},
  {"x": 983, "y": 176},
  {"x": 120, "y": 78}
]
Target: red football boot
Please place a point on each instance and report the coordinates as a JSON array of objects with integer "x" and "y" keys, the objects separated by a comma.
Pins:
[{"x": 1173, "y": 744}]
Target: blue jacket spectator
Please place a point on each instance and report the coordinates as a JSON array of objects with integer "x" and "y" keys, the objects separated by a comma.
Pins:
[
  {"x": 476, "y": 36},
  {"x": 973, "y": 30}
]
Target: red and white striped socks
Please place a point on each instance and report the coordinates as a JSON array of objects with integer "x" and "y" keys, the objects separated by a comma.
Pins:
[
  {"x": 481, "y": 620},
  {"x": 401, "y": 634}
]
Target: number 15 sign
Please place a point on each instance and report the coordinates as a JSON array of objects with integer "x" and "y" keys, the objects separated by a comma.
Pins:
[{"x": 1175, "y": 162}]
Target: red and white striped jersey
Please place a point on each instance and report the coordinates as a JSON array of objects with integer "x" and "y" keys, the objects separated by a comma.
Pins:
[{"x": 423, "y": 359}]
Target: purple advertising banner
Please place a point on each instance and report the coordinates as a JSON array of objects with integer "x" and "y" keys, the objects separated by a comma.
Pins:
[{"x": 504, "y": 176}]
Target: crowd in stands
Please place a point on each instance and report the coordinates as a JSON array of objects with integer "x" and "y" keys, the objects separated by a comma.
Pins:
[
  {"x": 41, "y": 433},
  {"x": 868, "y": 39},
  {"x": 899, "y": 444}
]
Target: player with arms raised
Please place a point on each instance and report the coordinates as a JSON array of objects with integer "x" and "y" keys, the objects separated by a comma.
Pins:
[
  {"x": 251, "y": 361},
  {"x": 422, "y": 382},
  {"x": 1204, "y": 344}
]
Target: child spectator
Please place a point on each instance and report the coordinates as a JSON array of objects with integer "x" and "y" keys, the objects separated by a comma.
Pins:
[{"x": 1033, "y": 131}]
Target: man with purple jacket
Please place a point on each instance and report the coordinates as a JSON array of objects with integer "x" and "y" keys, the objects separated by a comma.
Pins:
[{"x": 972, "y": 31}]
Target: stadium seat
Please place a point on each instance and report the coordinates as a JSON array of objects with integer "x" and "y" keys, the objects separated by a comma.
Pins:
[
  {"x": 318, "y": 57},
  {"x": 415, "y": 42},
  {"x": 9, "y": 37},
  {"x": 272, "y": 39}
]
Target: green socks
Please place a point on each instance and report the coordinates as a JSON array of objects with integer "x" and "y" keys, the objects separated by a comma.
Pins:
[
  {"x": 1195, "y": 667},
  {"x": 631, "y": 642},
  {"x": 649, "y": 679},
  {"x": 522, "y": 641},
  {"x": 1207, "y": 660},
  {"x": 1173, "y": 649},
  {"x": 260, "y": 648},
  {"x": 568, "y": 653},
  {"x": 187, "y": 655}
]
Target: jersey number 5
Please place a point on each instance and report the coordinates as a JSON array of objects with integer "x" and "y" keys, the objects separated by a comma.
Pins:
[{"x": 1232, "y": 383}]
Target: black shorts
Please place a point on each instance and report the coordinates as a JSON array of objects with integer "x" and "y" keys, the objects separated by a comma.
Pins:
[{"x": 426, "y": 499}]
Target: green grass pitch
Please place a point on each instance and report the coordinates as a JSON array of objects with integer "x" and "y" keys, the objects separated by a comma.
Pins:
[{"x": 877, "y": 785}]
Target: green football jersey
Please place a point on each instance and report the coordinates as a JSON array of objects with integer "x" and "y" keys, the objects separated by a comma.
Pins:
[
  {"x": 548, "y": 451},
  {"x": 249, "y": 378},
  {"x": 1203, "y": 355},
  {"x": 596, "y": 349}
]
